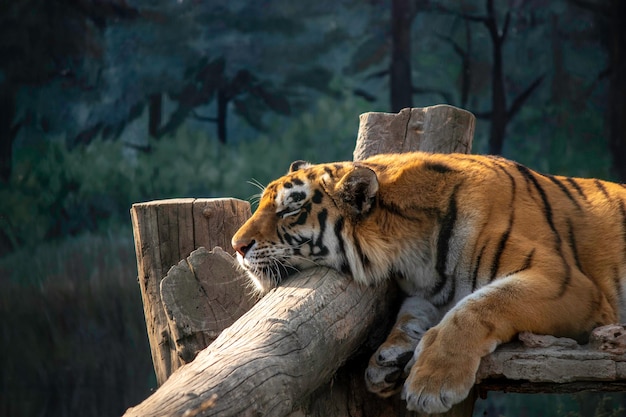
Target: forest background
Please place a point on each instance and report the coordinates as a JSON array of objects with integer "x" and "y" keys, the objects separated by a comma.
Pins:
[{"x": 104, "y": 103}]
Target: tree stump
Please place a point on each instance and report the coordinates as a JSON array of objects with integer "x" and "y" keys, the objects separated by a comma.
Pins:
[
  {"x": 167, "y": 231},
  {"x": 414, "y": 129},
  {"x": 281, "y": 358}
]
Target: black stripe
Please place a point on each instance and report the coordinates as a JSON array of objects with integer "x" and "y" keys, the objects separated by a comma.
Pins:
[
  {"x": 576, "y": 186},
  {"x": 317, "y": 197},
  {"x": 482, "y": 160},
  {"x": 559, "y": 184},
  {"x": 602, "y": 188},
  {"x": 364, "y": 259},
  {"x": 547, "y": 211},
  {"x": 500, "y": 250},
  {"x": 495, "y": 266},
  {"x": 547, "y": 208},
  {"x": 280, "y": 238},
  {"x": 443, "y": 242},
  {"x": 322, "y": 216},
  {"x": 302, "y": 218},
  {"x": 337, "y": 229},
  {"x": 622, "y": 210},
  {"x": 396, "y": 211},
  {"x": 477, "y": 267},
  {"x": 449, "y": 295},
  {"x": 528, "y": 177},
  {"x": 528, "y": 262},
  {"x": 572, "y": 244},
  {"x": 438, "y": 167},
  {"x": 567, "y": 276}
]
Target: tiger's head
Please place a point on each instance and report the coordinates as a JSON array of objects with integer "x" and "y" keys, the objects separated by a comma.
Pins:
[{"x": 303, "y": 219}]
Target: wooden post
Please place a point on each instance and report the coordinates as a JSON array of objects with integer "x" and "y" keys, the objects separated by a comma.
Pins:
[
  {"x": 278, "y": 359},
  {"x": 442, "y": 128},
  {"x": 167, "y": 231}
]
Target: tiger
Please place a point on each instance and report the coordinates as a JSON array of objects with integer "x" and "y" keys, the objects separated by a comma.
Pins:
[{"x": 483, "y": 247}]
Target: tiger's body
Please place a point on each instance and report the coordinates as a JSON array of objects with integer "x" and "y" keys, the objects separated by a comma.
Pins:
[{"x": 485, "y": 248}]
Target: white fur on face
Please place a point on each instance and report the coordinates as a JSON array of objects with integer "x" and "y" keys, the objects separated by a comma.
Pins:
[{"x": 291, "y": 199}]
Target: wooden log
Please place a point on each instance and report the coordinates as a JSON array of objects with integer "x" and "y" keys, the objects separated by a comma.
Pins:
[
  {"x": 165, "y": 232},
  {"x": 276, "y": 359},
  {"x": 555, "y": 360},
  {"x": 276, "y": 354}
]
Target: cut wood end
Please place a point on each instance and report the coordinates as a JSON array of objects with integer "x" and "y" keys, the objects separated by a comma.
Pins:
[{"x": 202, "y": 295}]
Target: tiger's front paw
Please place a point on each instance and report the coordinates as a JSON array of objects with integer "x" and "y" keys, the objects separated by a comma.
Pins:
[
  {"x": 439, "y": 378},
  {"x": 385, "y": 372}
]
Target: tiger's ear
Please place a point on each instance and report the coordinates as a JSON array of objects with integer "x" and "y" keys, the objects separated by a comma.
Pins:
[
  {"x": 297, "y": 165},
  {"x": 357, "y": 191}
]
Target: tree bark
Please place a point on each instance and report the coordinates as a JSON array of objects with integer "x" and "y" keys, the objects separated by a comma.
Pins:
[
  {"x": 278, "y": 359},
  {"x": 165, "y": 232},
  {"x": 413, "y": 129}
]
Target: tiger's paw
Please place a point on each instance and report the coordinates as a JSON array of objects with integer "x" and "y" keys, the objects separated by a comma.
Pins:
[
  {"x": 428, "y": 393},
  {"x": 385, "y": 372},
  {"x": 438, "y": 378},
  {"x": 386, "y": 369}
]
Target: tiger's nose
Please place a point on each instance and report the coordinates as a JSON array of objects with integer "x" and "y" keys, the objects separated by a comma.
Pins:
[{"x": 242, "y": 246}]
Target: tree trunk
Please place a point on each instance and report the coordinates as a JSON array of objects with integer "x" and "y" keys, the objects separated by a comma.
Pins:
[
  {"x": 280, "y": 358},
  {"x": 222, "y": 115},
  {"x": 617, "y": 88},
  {"x": 8, "y": 131},
  {"x": 498, "y": 92},
  {"x": 400, "y": 69}
]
